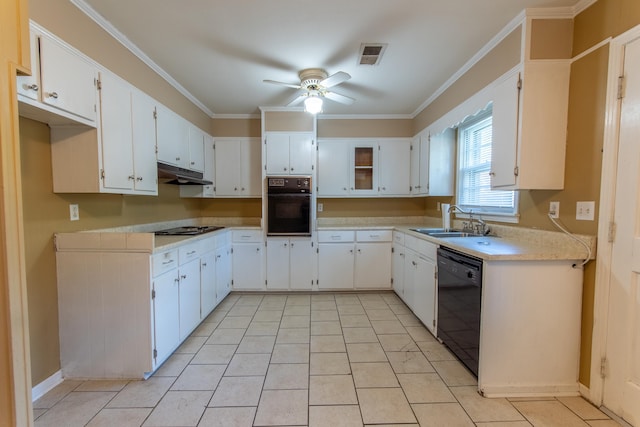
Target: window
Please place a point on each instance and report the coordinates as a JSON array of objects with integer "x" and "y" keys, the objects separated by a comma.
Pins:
[{"x": 474, "y": 163}]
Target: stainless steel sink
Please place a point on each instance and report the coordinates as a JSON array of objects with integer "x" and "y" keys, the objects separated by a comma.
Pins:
[{"x": 442, "y": 233}]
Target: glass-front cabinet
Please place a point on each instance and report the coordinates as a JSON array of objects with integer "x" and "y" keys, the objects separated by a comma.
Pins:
[{"x": 364, "y": 163}]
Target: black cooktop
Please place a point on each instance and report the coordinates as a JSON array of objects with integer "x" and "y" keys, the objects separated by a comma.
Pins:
[{"x": 188, "y": 230}]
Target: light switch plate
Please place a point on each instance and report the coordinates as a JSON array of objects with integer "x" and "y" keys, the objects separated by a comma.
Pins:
[
  {"x": 585, "y": 211},
  {"x": 74, "y": 212},
  {"x": 320, "y": 207}
]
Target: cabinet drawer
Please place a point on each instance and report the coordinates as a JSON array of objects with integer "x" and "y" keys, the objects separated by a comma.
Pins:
[
  {"x": 247, "y": 236},
  {"x": 164, "y": 262},
  {"x": 188, "y": 252},
  {"x": 223, "y": 239},
  {"x": 336, "y": 236},
  {"x": 426, "y": 249},
  {"x": 398, "y": 238},
  {"x": 374, "y": 235}
]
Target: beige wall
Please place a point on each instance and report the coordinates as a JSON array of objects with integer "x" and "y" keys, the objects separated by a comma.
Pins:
[
  {"x": 360, "y": 128},
  {"x": 285, "y": 121},
  {"x": 236, "y": 127}
]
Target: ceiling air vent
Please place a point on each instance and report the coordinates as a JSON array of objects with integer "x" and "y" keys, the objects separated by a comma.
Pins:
[{"x": 371, "y": 53}]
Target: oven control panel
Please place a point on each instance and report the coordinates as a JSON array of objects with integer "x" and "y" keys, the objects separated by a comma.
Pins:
[{"x": 289, "y": 184}]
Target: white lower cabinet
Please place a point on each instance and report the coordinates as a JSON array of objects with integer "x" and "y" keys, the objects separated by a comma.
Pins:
[
  {"x": 291, "y": 263},
  {"x": 354, "y": 260},
  {"x": 414, "y": 276},
  {"x": 223, "y": 266},
  {"x": 124, "y": 309},
  {"x": 247, "y": 260},
  {"x": 166, "y": 310}
]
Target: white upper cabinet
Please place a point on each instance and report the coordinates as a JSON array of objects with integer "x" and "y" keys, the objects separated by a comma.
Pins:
[
  {"x": 290, "y": 153},
  {"x": 145, "y": 165},
  {"x": 173, "y": 138},
  {"x": 393, "y": 164},
  {"x": 433, "y": 164},
  {"x": 63, "y": 83},
  {"x": 530, "y": 109},
  {"x": 196, "y": 149},
  {"x": 238, "y": 167},
  {"x": 364, "y": 167},
  {"x": 333, "y": 168},
  {"x": 116, "y": 157}
]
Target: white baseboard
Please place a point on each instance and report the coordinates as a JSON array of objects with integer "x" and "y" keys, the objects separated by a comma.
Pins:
[
  {"x": 41, "y": 389},
  {"x": 585, "y": 391}
]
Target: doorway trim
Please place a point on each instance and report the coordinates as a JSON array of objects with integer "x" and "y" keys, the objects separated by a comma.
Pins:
[{"x": 606, "y": 217}]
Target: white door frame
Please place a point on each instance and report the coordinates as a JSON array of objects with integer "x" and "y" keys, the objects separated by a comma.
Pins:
[{"x": 606, "y": 209}]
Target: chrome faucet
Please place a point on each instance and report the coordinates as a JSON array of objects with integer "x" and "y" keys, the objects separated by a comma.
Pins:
[{"x": 481, "y": 227}]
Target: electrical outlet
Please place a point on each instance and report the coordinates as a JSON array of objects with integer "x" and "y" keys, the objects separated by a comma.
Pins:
[
  {"x": 320, "y": 207},
  {"x": 585, "y": 211},
  {"x": 74, "y": 212},
  {"x": 554, "y": 209}
]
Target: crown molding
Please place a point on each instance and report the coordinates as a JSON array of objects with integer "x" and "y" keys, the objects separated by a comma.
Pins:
[
  {"x": 124, "y": 41},
  {"x": 365, "y": 116},
  {"x": 235, "y": 116},
  {"x": 582, "y": 6}
]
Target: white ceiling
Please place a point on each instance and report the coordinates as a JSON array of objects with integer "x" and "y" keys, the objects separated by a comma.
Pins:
[{"x": 220, "y": 51}]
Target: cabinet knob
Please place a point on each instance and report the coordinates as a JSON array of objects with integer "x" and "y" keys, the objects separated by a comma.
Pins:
[
  {"x": 350, "y": 250},
  {"x": 184, "y": 276},
  {"x": 384, "y": 188},
  {"x": 132, "y": 177},
  {"x": 139, "y": 178},
  {"x": 291, "y": 169},
  {"x": 344, "y": 188},
  {"x": 285, "y": 245},
  {"x": 193, "y": 163},
  {"x": 492, "y": 173},
  {"x": 359, "y": 251},
  {"x": 285, "y": 169},
  {"x": 33, "y": 87},
  {"x": 257, "y": 249},
  {"x": 53, "y": 95},
  {"x": 242, "y": 189},
  {"x": 204, "y": 264},
  {"x": 235, "y": 188},
  {"x": 176, "y": 280},
  {"x": 292, "y": 245}
]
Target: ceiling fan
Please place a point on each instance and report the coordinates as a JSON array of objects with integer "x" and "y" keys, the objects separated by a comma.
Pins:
[{"x": 314, "y": 83}]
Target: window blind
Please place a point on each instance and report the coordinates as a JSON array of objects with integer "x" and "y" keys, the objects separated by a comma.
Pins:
[{"x": 474, "y": 182}]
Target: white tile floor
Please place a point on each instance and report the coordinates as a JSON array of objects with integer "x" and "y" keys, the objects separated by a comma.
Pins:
[{"x": 306, "y": 360}]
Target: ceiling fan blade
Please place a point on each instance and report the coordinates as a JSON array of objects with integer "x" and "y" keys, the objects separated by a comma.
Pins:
[
  {"x": 282, "y": 84},
  {"x": 297, "y": 100},
  {"x": 343, "y": 99},
  {"x": 335, "y": 79}
]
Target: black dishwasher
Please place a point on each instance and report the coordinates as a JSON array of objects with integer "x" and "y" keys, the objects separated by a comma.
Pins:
[{"x": 459, "y": 299}]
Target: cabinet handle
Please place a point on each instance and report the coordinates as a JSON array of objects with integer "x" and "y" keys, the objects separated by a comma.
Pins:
[
  {"x": 184, "y": 276},
  {"x": 204, "y": 264},
  {"x": 33, "y": 87},
  {"x": 492, "y": 173},
  {"x": 374, "y": 236},
  {"x": 191, "y": 252},
  {"x": 176, "y": 280},
  {"x": 414, "y": 263},
  {"x": 177, "y": 159},
  {"x": 53, "y": 95},
  {"x": 167, "y": 262},
  {"x": 139, "y": 178},
  {"x": 218, "y": 256},
  {"x": 132, "y": 177}
]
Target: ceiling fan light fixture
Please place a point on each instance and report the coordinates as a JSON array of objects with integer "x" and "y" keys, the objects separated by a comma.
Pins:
[{"x": 313, "y": 104}]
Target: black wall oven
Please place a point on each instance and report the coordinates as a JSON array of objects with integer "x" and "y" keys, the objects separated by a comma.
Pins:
[{"x": 289, "y": 206}]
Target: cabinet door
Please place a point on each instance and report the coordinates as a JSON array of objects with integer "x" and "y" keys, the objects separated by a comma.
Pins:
[
  {"x": 173, "y": 138},
  {"x": 440, "y": 163},
  {"x": 247, "y": 266},
  {"x": 505, "y": 132},
  {"x": 278, "y": 264},
  {"x": 303, "y": 264},
  {"x": 397, "y": 270},
  {"x": 166, "y": 314},
  {"x": 333, "y": 168},
  {"x": 373, "y": 265},
  {"x": 29, "y": 86},
  {"x": 196, "y": 149},
  {"x": 227, "y": 170},
  {"x": 145, "y": 165},
  {"x": 209, "y": 166},
  {"x": 208, "y": 298},
  {"x": 394, "y": 160},
  {"x": 364, "y": 169},
  {"x": 223, "y": 272},
  {"x": 277, "y": 152},
  {"x": 301, "y": 154},
  {"x": 251, "y": 168},
  {"x": 415, "y": 166},
  {"x": 425, "y": 291},
  {"x": 117, "y": 133},
  {"x": 68, "y": 81},
  {"x": 335, "y": 265},
  {"x": 410, "y": 266},
  {"x": 189, "y": 297}
]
